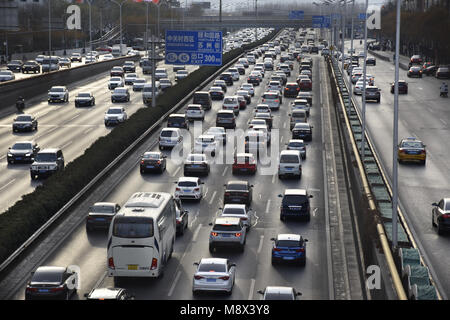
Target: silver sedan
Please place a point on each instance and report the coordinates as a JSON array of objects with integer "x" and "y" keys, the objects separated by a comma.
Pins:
[{"x": 214, "y": 274}]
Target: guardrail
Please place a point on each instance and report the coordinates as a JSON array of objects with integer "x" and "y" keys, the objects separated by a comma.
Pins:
[
  {"x": 107, "y": 169},
  {"x": 415, "y": 281},
  {"x": 40, "y": 84}
]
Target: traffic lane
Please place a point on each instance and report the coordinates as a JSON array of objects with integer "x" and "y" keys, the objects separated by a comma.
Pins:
[
  {"x": 125, "y": 195},
  {"x": 72, "y": 129},
  {"x": 414, "y": 197}
]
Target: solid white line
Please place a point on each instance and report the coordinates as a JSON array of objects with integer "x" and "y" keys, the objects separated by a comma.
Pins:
[
  {"x": 97, "y": 284},
  {"x": 443, "y": 122},
  {"x": 7, "y": 184},
  {"x": 197, "y": 231},
  {"x": 195, "y": 218},
  {"x": 2, "y": 157},
  {"x": 273, "y": 178},
  {"x": 252, "y": 288},
  {"x": 174, "y": 283},
  {"x": 65, "y": 145},
  {"x": 176, "y": 172},
  {"x": 212, "y": 198},
  {"x": 224, "y": 171}
]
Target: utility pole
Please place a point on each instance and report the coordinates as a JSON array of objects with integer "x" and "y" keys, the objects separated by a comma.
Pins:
[
  {"x": 363, "y": 136},
  {"x": 49, "y": 35}
]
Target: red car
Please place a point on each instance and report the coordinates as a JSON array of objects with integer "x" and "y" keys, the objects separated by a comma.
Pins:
[
  {"x": 416, "y": 59},
  {"x": 305, "y": 85},
  {"x": 244, "y": 162}
]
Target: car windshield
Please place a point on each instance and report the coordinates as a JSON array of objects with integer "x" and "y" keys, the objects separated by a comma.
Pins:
[
  {"x": 187, "y": 184},
  {"x": 288, "y": 243},
  {"x": 116, "y": 79},
  {"x": 47, "y": 276},
  {"x": 229, "y": 100},
  {"x": 23, "y": 118},
  {"x": 133, "y": 227},
  {"x": 292, "y": 86},
  {"x": 120, "y": 90},
  {"x": 5, "y": 73},
  {"x": 46, "y": 157},
  {"x": 114, "y": 111},
  {"x": 212, "y": 267},
  {"x": 289, "y": 158},
  {"x": 293, "y": 200},
  {"x": 84, "y": 95},
  {"x": 57, "y": 89},
  {"x": 22, "y": 146},
  {"x": 102, "y": 209}
]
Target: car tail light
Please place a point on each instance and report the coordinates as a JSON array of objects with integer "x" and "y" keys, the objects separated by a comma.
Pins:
[
  {"x": 197, "y": 189},
  {"x": 423, "y": 152},
  {"x": 31, "y": 289},
  {"x": 446, "y": 216},
  {"x": 277, "y": 100},
  {"x": 111, "y": 263},
  {"x": 177, "y": 189},
  {"x": 401, "y": 151},
  {"x": 238, "y": 234},
  {"x": 214, "y": 234},
  {"x": 300, "y": 250},
  {"x": 154, "y": 264},
  {"x": 158, "y": 162},
  {"x": 227, "y": 193},
  {"x": 276, "y": 249},
  {"x": 244, "y": 219},
  {"x": 57, "y": 289},
  {"x": 142, "y": 161},
  {"x": 198, "y": 277},
  {"x": 224, "y": 278}
]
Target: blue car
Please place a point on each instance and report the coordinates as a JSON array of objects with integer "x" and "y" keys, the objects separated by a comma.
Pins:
[{"x": 290, "y": 248}]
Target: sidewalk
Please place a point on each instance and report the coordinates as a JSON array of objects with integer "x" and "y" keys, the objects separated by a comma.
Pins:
[{"x": 389, "y": 56}]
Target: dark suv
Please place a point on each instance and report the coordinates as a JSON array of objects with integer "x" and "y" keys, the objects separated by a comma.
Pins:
[
  {"x": 178, "y": 120},
  {"x": 295, "y": 203},
  {"x": 47, "y": 162},
  {"x": 238, "y": 192},
  {"x": 227, "y": 77},
  {"x": 203, "y": 98}
]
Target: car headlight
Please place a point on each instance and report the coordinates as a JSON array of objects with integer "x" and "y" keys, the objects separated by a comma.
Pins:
[
  {"x": 9, "y": 154},
  {"x": 28, "y": 155}
]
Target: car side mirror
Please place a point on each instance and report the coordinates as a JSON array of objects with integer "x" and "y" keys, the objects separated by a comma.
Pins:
[
  {"x": 273, "y": 239},
  {"x": 233, "y": 264},
  {"x": 311, "y": 196},
  {"x": 210, "y": 224},
  {"x": 260, "y": 292},
  {"x": 86, "y": 295},
  {"x": 186, "y": 211},
  {"x": 298, "y": 293},
  {"x": 306, "y": 240},
  {"x": 195, "y": 263},
  {"x": 434, "y": 204}
]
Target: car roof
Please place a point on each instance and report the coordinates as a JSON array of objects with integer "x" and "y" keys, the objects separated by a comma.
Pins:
[
  {"x": 295, "y": 192},
  {"x": 49, "y": 150},
  {"x": 213, "y": 260},
  {"x": 296, "y": 140},
  {"x": 241, "y": 182},
  {"x": 50, "y": 269},
  {"x": 170, "y": 129},
  {"x": 276, "y": 289},
  {"x": 235, "y": 206},
  {"x": 227, "y": 220},
  {"x": 190, "y": 179},
  {"x": 27, "y": 141},
  {"x": 104, "y": 204},
  {"x": 105, "y": 293},
  {"x": 177, "y": 115},
  {"x": 302, "y": 125},
  {"x": 289, "y": 236},
  {"x": 153, "y": 153}
]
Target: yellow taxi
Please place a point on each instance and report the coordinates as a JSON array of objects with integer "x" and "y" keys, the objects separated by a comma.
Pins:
[{"x": 411, "y": 149}]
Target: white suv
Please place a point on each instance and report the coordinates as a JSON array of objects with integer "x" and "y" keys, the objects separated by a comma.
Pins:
[
  {"x": 115, "y": 115},
  {"x": 195, "y": 112},
  {"x": 189, "y": 188},
  {"x": 169, "y": 138},
  {"x": 231, "y": 103},
  {"x": 227, "y": 231}
]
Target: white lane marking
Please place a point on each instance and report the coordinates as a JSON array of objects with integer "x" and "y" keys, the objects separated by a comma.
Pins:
[
  {"x": 281, "y": 140},
  {"x": 284, "y": 125},
  {"x": 261, "y": 241},
  {"x": 315, "y": 211},
  {"x": 224, "y": 171},
  {"x": 273, "y": 178},
  {"x": 99, "y": 281},
  {"x": 313, "y": 190},
  {"x": 7, "y": 184},
  {"x": 88, "y": 130},
  {"x": 195, "y": 218},
  {"x": 65, "y": 145},
  {"x": 252, "y": 288},
  {"x": 212, "y": 198},
  {"x": 197, "y": 231},
  {"x": 2, "y": 157},
  {"x": 174, "y": 283},
  {"x": 74, "y": 117},
  {"x": 268, "y": 206},
  {"x": 443, "y": 122}
]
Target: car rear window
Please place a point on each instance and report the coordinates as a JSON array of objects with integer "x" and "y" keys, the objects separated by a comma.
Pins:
[
  {"x": 187, "y": 184},
  {"x": 288, "y": 243},
  {"x": 225, "y": 115},
  {"x": 133, "y": 227},
  {"x": 237, "y": 187},
  {"x": 102, "y": 209},
  {"x": 289, "y": 158},
  {"x": 49, "y": 276},
  {"x": 212, "y": 267},
  {"x": 238, "y": 211},
  {"x": 293, "y": 200},
  {"x": 168, "y": 133},
  {"x": 227, "y": 227}
]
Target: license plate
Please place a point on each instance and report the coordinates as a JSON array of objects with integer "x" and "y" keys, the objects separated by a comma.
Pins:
[
  {"x": 150, "y": 167},
  {"x": 44, "y": 290},
  {"x": 295, "y": 209},
  {"x": 132, "y": 267},
  {"x": 288, "y": 258},
  {"x": 235, "y": 200},
  {"x": 100, "y": 219},
  {"x": 195, "y": 166},
  {"x": 210, "y": 280},
  {"x": 288, "y": 169},
  {"x": 187, "y": 190},
  {"x": 42, "y": 171},
  {"x": 19, "y": 158},
  {"x": 244, "y": 169},
  {"x": 226, "y": 235}
]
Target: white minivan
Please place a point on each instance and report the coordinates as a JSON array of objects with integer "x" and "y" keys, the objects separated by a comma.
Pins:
[{"x": 290, "y": 164}]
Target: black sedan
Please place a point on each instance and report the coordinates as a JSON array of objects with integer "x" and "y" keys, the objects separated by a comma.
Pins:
[
  {"x": 371, "y": 61},
  {"x": 254, "y": 80},
  {"x": 100, "y": 215},
  {"x": 402, "y": 87},
  {"x": 23, "y": 151},
  {"x": 52, "y": 283},
  {"x": 15, "y": 65},
  {"x": 31, "y": 66},
  {"x": 153, "y": 161},
  {"x": 84, "y": 99},
  {"x": 25, "y": 122},
  {"x": 238, "y": 192},
  {"x": 216, "y": 93}
]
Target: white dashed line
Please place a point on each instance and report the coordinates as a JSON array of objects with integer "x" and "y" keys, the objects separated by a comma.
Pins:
[
  {"x": 174, "y": 283},
  {"x": 212, "y": 198}
]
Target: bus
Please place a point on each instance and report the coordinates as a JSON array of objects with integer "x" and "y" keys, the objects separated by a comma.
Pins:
[{"x": 141, "y": 236}]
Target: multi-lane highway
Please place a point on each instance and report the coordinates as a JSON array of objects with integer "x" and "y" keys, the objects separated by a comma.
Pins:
[
  {"x": 425, "y": 116},
  {"x": 61, "y": 125},
  {"x": 254, "y": 270}
]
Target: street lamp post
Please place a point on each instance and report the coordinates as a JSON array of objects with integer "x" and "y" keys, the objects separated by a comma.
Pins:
[
  {"x": 120, "y": 14},
  {"x": 351, "y": 56},
  {"x": 90, "y": 24},
  {"x": 363, "y": 136},
  {"x": 49, "y": 36}
]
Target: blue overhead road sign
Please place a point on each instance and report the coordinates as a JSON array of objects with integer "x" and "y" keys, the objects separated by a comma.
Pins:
[
  {"x": 194, "y": 47},
  {"x": 296, "y": 15},
  {"x": 317, "y": 21}
]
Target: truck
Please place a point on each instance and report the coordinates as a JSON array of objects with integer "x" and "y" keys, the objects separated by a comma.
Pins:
[{"x": 116, "y": 50}]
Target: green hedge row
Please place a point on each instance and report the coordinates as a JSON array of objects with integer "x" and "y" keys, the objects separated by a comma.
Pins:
[{"x": 21, "y": 220}]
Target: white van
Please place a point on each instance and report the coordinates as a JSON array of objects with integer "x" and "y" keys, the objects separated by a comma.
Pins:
[
  {"x": 141, "y": 236},
  {"x": 290, "y": 164}
]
